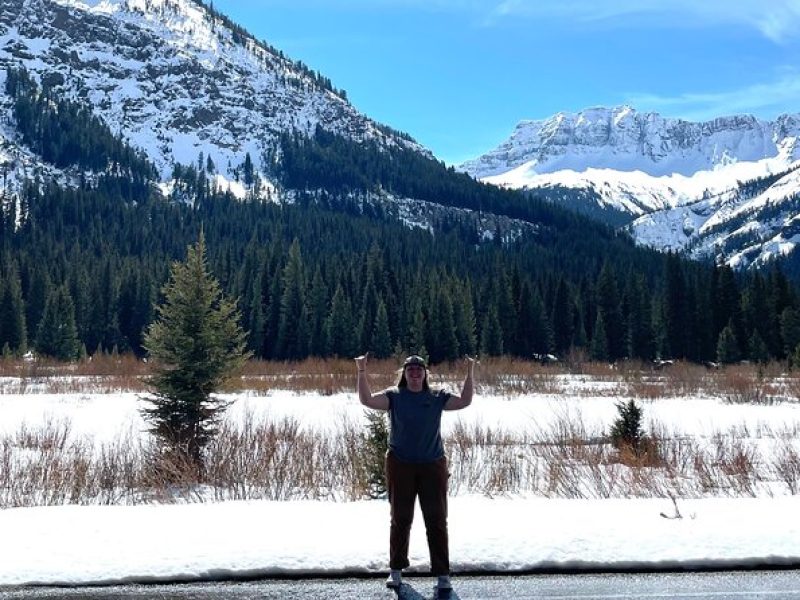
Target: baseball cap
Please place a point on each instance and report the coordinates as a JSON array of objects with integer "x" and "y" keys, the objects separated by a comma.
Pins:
[{"x": 415, "y": 359}]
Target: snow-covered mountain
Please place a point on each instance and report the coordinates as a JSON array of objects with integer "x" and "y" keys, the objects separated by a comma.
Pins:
[
  {"x": 185, "y": 85},
  {"x": 175, "y": 78},
  {"x": 683, "y": 185}
]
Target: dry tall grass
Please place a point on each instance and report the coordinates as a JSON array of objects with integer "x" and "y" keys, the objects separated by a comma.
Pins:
[
  {"x": 281, "y": 460},
  {"x": 503, "y": 376},
  {"x": 258, "y": 458}
]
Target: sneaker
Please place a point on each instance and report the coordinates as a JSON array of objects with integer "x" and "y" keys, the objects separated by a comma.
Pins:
[
  {"x": 443, "y": 583},
  {"x": 395, "y": 579}
]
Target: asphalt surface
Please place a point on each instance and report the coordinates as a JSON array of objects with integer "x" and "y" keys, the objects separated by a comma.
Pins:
[{"x": 750, "y": 585}]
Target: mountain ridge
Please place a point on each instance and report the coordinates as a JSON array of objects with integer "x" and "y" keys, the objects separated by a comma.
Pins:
[
  {"x": 625, "y": 139},
  {"x": 660, "y": 172},
  {"x": 240, "y": 94}
]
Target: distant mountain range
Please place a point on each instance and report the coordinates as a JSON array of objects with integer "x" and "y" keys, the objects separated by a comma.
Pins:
[
  {"x": 182, "y": 83},
  {"x": 725, "y": 188}
]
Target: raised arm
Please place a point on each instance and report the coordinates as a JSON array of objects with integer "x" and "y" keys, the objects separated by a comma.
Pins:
[
  {"x": 465, "y": 399},
  {"x": 379, "y": 401}
]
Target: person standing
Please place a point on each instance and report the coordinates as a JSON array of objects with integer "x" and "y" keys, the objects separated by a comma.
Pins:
[{"x": 416, "y": 466}]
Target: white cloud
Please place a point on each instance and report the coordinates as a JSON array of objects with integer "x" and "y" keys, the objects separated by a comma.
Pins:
[
  {"x": 765, "y": 100},
  {"x": 778, "y": 20}
]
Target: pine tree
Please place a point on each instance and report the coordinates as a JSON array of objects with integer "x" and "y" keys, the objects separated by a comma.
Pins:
[
  {"x": 780, "y": 297},
  {"x": 758, "y": 348},
  {"x": 293, "y": 324},
  {"x": 702, "y": 336},
  {"x": 249, "y": 173},
  {"x": 563, "y": 318},
  {"x": 196, "y": 344},
  {"x": 416, "y": 335},
  {"x": 790, "y": 329},
  {"x": 639, "y": 336},
  {"x": 755, "y": 313},
  {"x": 368, "y": 312},
  {"x": 318, "y": 312},
  {"x": 339, "y": 326},
  {"x": 271, "y": 292},
  {"x": 727, "y": 346},
  {"x": 491, "y": 334},
  {"x": 134, "y": 309},
  {"x": 36, "y": 295},
  {"x": 676, "y": 313},
  {"x": 627, "y": 432},
  {"x": 507, "y": 311},
  {"x": 660, "y": 341},
  {"x": 57, "y": 335},
  {"x": 13, "y": 330},
  {"x": 727, "y": 304},
  {"x": 464, "y": 317},
  {"x": 599, "y": 348},
  {"x": 608, "y": 304},
  {"x": 376, "y": 444},
  {"x": 79, "y": 291},
  {"x": 381, "y": 338},
  {"x": 256, "y": 321},
  {"x": 542, "y": 331},
  {"x": 443, "y": 345}
]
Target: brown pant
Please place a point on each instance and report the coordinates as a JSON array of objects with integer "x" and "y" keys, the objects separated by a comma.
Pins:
[{"x": 406, "y": 481}]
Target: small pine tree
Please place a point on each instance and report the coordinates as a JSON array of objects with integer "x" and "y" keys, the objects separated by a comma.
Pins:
[
  {"x": 376, "y": 444},
  {"x": 196, "y": 343},
  {"x": 627, "y": 432}
]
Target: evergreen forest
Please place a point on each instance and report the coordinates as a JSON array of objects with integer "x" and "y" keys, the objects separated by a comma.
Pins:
[{"x": 82, "y": 264}]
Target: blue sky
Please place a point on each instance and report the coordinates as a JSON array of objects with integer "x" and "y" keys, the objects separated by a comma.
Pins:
[{"x": 458, "y": 75}]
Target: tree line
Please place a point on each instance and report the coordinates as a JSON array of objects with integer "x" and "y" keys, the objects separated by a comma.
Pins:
[{"x": 313, "y": 282}]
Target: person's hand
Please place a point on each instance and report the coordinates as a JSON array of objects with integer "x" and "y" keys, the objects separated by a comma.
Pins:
[
  {"x": 471, "y": 362},
  {"x": 361, "y": 361}
]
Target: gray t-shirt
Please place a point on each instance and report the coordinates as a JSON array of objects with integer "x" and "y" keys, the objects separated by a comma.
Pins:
[{"x": 416, "y": 419}]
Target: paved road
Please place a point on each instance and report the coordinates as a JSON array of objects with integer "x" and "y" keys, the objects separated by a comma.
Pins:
[{"x": 772, "y": 585}]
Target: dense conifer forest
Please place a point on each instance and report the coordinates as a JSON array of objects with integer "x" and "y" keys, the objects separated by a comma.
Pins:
[{"x": 81, "y": 265}]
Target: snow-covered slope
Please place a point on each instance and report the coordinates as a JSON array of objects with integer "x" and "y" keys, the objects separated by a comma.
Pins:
[
  {"x": 18, "y": 164},
  {"x": 174, "y": 78},
  {"x": 682, "y": 181},
  {"x": 746, "y": 227}
]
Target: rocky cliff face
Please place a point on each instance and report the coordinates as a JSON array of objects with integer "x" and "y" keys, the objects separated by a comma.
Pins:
[
  {"x": 623, "y": 139},
  {"x": 175, "y": 78}
]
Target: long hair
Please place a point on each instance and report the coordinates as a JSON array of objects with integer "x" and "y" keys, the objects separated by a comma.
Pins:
[{"x": 402, "y": 383}]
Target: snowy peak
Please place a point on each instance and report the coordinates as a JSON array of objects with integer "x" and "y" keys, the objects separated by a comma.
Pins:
[
  {"x": 176, "y": 79},
  {"x": 626, "y": 140},
  {"x": 722, "y": 188}
]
